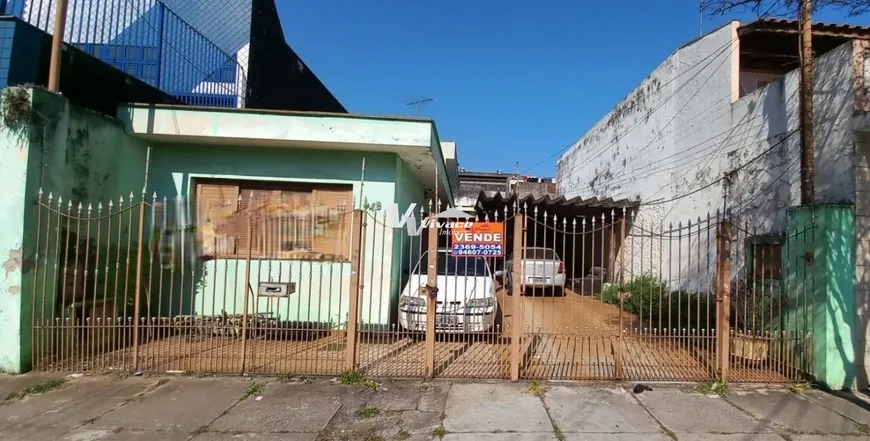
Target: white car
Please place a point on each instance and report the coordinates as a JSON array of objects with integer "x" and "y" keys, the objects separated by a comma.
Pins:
[
  {"x": 542, "y": 269},
  {"x": 465, "y": 302}
]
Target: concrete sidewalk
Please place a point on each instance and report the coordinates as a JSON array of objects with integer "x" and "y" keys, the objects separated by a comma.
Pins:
[{"x": 298, "y": 409}]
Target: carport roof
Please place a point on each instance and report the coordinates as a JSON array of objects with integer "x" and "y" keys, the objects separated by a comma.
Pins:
[{"x": 562, "y": 206}]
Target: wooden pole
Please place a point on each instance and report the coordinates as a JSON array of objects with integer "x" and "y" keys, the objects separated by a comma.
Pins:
[
  {"x": 355, "y": 291},
  {"x": 806, "y": 104},
  {"x": 56, "y": 46},
  {"x": 138, "y": 293},
  {"x": 248, "y": 256},
  {"x": 516, "y": 299},
  {"x": 432, "y": 296}
]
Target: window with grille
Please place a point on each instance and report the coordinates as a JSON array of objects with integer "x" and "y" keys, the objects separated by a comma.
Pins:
[
  {"x": 285, "y": 220},
  {"x": 765, "y": 263}
]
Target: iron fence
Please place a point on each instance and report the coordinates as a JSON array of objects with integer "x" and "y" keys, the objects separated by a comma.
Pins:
[
  {"x": 147, "y": 40},
  {"x": 299, "y": 286}
]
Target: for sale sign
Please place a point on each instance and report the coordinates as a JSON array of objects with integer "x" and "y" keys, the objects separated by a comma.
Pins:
[{"x": 478, "y": 239}]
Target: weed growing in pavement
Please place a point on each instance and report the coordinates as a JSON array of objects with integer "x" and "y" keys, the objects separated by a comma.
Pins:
[
  {"x": 714, "y": 388},
  {"x": 256, "y": 388},
  {"x": 799, "y": 388},
  {"x": 364, "y": 412},
  {"x": 38, "y": 388},
  {"x": 354, "y": 378},
  {"x": 439, "y": 432},
  {"x": 537, "y": 389}
]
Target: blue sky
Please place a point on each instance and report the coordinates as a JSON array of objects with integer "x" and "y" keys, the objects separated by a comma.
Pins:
[{"x": 511, "y": 80}]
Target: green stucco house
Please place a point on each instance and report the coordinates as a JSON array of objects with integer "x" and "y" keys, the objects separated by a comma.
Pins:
[{"x": 178, "y": 179}]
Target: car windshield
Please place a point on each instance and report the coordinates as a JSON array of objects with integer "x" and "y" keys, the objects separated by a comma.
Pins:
[
  {"x": 540, "y": 253},
  {"x": 448, "y": 265}
]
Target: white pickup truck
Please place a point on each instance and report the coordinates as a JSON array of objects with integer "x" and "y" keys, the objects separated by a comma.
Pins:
[{"x": 542, "y": 269}]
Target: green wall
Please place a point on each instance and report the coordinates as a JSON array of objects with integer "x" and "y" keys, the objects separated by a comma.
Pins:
[
  {"x": 408, "y": 191},
  {"x": 819, "y": 261},
  {"x": 322, "y": 288},
  {"x": 75, "y": 155},
  {"x": 83, "y": 157}
]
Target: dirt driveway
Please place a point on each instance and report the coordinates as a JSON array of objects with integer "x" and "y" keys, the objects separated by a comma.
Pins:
[{"x": 578, "y": 337}]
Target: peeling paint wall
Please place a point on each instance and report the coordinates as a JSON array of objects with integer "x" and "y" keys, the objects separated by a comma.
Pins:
[
  {"x": 74, "y": 154},
  {"x": 654, "y": 144},
  {"x": 679, "y": 131},
  {"x": 13, "y": 170},
  {"x": 683, "y": 129}
]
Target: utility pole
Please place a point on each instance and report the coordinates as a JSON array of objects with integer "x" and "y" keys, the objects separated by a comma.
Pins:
[
  {"x": 806, "y": 103},
  {"x": 56, "y": 46}
]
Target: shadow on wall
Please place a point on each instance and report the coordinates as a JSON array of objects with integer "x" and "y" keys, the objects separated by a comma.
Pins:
[
  {"x": 820, "y": 289},
  {"x": 761, "y": 191},
  {"x": 840, "y": 308}
]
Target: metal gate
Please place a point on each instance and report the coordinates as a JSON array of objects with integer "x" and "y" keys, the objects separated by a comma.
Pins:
[
  {"x": 148, "y": 284},
  {"x": 692, "y": 301}
]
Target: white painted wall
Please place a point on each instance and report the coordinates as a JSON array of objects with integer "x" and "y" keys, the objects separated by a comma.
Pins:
[
  {"x": 655, "y": 143},
  {"x": 685, "y": 126},
  {"x": 679, "y": 131}
]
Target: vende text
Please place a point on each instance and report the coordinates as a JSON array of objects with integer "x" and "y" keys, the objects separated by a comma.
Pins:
[{"x": 477, "y": 237}]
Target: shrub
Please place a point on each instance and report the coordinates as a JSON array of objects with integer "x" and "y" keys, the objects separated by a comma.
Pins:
[{"x": 655, "y": 303}]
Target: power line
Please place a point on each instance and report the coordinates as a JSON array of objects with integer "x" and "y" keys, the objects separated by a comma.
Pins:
[
  {"x": 677, "y": 113},
  {"x": 727, "y": 175},
  {"x": 621, "y": 178},
  {"x": 601, "y": 149},
  {"x": 768, "y": 187},
  {"x": 716, "y": 52},
  {"x": 679, "y": 163},
  {"x": 615, "y": 179}
]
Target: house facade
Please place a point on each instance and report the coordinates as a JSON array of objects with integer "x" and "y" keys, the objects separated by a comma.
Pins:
[
  {"x": 256, "y": 213},
  {"x": 714, "y": 128}
]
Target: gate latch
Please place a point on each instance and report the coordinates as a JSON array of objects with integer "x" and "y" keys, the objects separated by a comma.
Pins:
[{"x": 432, "y": 291}]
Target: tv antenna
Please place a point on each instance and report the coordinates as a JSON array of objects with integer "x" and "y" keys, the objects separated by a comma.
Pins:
[{"x": 419, "y": 103}]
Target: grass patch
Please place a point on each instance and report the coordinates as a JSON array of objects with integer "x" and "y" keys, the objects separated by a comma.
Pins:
[
  {"x": 439, "y": 432},
  {"x": 38, "y": 388},
  {"x": 537, "y": 389},
  {"x": 351, "y": 378},
  {"x": 714, "y": 388},
  {"x": 354, "y": 378},
  {"x": 402, "y": 435},
  {"x": 364, "y": 412},
  {"x": 256, "y": 388},
  {"x": 799, "y": 388}
]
